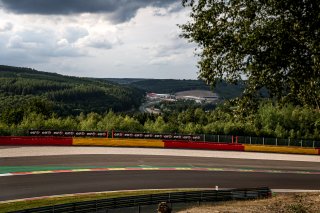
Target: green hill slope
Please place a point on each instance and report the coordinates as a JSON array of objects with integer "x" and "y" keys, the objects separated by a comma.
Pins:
[
  {"x": 224, "y": 90},
  {"x": 64, "y": 95}
]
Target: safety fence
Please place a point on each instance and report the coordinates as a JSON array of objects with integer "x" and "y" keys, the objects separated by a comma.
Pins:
[
  {"x": 262, "y": 140},
  {"x": 181, "y": 137},
  {"x": 106, "y": 205},
  {"x": 175, "y": 137},
  {"x": 279, "y": 141}
]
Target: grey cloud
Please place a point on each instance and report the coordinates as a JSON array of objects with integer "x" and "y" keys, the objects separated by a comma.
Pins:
[
  {"x": 101, "y": 45},
  {"x": 4, "y": 27},
  {"x": 17, "y": 57},
  {"x": 118, "y": 10},
  {"x": 43, "y": 44},
  {"x": 175, "y": 7},
  {"x": 72, "y": 34},
  {"x": 173, "y": 47}
]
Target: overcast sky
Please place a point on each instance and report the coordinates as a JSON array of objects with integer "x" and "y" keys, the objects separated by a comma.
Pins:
[{"x": 97, "y": 38}]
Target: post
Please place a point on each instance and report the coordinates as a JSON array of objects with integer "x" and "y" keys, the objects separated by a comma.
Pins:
[
  {"x": 289, "y": 142},
  {"x": 276, "y": 141},
  {"x": 218, "y": 138},
  {"x": 301, "y": 142},
  {"x": 263, "y": 141},
  {"x": 250, "y": 139},
  {"x": 112, "y": 133},
  {"x": 313, "y": 144},
  {"x": 232, "y": 138},
  {"x": 204, "y": 137},
  {"x": 237, "y": 137}
]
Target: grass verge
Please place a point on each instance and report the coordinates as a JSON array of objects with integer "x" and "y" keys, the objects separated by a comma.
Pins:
[{"x": 56, "y": 200}]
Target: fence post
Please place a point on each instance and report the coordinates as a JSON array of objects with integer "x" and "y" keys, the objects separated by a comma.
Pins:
[
  {"x": 289, "y": 142},
  {"x": 276, "y": 141},
  {"x": 204, "y": 137},
  {"x": 250, "y": 139},
  {"x": 313, "y": 144},
  {"x": 301, "y": 142},
  {"x": 218, "y": 138},
  {"x": 262, "y": 140}
]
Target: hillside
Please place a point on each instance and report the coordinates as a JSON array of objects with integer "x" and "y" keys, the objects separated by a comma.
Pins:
[
  {"x": 224, "y": 90},
  {"x": 64, "y": 95}
]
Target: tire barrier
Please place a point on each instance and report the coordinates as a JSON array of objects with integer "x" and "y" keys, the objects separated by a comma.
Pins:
[
  {"x": 281, "y": 149},
  {"x": 203, "y": 145},
  {"x": 35, "y": 141}
]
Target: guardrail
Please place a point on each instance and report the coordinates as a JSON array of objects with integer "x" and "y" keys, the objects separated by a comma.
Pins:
[
  {"x": 263, "y": 141},
  {"x": 279, "y": 141},
  {"x": 144, "y": 200}
]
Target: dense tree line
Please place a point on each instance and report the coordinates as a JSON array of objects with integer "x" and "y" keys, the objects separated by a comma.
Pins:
[
  {"x": 66, "y": 95},
  {"x": 167, "y": 107},
  {"x": 270, "y": 120},
  {"x": 169, "y": 85}
]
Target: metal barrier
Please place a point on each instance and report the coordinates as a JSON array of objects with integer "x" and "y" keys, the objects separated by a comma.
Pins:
[
  {"x": 278, "y": 141},
  {"x": 144, "y": 200},
  {"x": 200, "y": 137}
]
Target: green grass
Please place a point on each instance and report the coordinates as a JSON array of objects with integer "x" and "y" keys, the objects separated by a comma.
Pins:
[{"x": 20, "y": 205}]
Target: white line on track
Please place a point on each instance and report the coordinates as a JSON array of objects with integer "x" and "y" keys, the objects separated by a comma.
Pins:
[{"x": 5, "y": 175}]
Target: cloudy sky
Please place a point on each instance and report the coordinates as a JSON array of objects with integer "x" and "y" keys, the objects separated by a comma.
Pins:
[{"x": 97, "y": 38}]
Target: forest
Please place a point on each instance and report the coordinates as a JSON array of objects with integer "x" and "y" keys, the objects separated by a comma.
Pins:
[
  {"x": 37, "y": 100},
  {"x": 270, "y": 120},
  {"x": 23, "y": 88}
]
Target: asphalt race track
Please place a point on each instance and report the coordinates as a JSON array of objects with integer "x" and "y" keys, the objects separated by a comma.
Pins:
[{"x": 256, "y": 173}]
